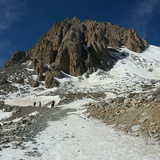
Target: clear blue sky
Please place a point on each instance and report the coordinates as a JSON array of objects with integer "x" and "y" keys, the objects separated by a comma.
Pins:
[{"x": 23, "y": 22}]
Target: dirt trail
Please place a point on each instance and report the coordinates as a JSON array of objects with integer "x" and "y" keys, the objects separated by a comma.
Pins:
[{"x": 32, "y": 121}]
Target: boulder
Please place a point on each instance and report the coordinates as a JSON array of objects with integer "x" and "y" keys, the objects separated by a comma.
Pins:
[
  {"x": 56, "y": 73},
  {"x": 34, "y": 84},
  {"x": 19, "y": 80},
  {"x": 19, "y": 57},
  {"x": 3, "y": 80},
  {"x": 50, "y": 82}
]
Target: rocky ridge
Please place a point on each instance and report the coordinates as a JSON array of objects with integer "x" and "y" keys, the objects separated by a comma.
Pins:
[
  {"x": 137, "y": 114},
  {"x": 77, "y": 47}
]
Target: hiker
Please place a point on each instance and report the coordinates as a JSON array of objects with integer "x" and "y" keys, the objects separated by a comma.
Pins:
[
  {"x": 34, "y": 104},
  {"x": 52, "y": 104},
  {"x": 39, "y": 104}
]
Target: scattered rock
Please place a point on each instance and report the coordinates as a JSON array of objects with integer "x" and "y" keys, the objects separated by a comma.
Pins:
[
  {"x": 19, "y": 80},
  {"x": 133, "y": 114}
]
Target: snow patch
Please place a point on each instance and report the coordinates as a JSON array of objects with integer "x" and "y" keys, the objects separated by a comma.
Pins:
[
  {"x": 28, "y": 101},
  {"x": 5, "y": 115},
  {"x": 135, "y": 128},
  {"x": 33, "y": 114}
]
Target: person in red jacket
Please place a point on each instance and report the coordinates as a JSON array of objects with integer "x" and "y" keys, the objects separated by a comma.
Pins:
[{"x": 52, "y": 104}]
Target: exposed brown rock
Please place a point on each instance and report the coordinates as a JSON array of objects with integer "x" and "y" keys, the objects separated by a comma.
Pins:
[
  {"x": 137, "y": 113},
  {"x": 40, "y": 70},
  {"x": 55, "y": 70},
  {"x": 77, "y": 47},
  {"x": 56, "y": 73},
  {"x": 34, "y": 62},
  {"x": 50, "y": 82},
  {"x": 34, "y": 83},
  {"x": 18, "y": 58}
]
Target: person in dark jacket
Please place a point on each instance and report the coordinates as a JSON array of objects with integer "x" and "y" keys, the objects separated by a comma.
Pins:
[
  {"x": 52, "y": 104},
  {"x": 34, "y": 104}
]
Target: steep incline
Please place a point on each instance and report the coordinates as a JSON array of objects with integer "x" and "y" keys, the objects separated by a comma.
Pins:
[{"x": 77, "y": 47}]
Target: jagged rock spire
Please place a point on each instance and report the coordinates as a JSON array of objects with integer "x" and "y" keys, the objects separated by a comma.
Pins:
[{"x": 77, "y": 47}]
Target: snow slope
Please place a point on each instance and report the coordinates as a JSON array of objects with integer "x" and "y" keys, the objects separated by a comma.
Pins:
[
  {"x": 79, "y": 138},
  {"x": 76, "y": 137},
  {"x": 127, "y": 75}
]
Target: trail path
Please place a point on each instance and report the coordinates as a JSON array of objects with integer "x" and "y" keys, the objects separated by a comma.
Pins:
[{"x": 71, "y": 135}]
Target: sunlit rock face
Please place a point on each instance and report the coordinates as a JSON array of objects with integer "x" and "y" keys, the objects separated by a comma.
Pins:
[
  {"x": 77, "y": 47},
  {"x": 18, "y": 58}
]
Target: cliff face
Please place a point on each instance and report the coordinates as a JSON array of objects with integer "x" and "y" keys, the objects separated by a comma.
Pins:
[{"x": 77, "y": 47}]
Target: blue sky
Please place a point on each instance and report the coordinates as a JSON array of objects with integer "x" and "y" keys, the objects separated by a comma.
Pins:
[{"x": 23, "y": 22}]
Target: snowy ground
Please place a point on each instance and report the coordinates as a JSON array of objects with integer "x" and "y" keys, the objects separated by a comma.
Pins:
[
  {"x": 4, "y": 115},
  {"x": 76, "y": 137},
  {"x": 79, "y": 138},
  {"x": 28, "y": 101}
]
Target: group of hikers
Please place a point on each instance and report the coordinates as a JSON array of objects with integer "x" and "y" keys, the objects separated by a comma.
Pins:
[{"x": 52, "y": 104}]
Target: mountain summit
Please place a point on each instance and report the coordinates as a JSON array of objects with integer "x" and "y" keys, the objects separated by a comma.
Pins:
[{"x": 77, "y": 47}]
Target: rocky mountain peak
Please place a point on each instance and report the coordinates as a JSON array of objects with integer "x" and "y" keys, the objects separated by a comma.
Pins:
[{"x": 78, "y": 47}]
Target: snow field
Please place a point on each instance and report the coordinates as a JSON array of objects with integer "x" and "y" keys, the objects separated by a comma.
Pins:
[{"x": 78, "y": 138}]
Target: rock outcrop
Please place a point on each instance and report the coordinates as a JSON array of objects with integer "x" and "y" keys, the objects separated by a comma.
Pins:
[
  {"x": 40, "y": 70},
  {"x": 19, "y": 57},
  {"x": 78, "y": 47},
  {"x": 3, "y": 80},
  {"x": 50, "y": 82},
  {"x": 138, "y": 113},
  {"x": 34, "y": 84}
]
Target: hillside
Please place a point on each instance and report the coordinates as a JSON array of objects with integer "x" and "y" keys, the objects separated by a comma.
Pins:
[
  {"x": 77, "y": 47},
  {"x": 108, "y": 109}
]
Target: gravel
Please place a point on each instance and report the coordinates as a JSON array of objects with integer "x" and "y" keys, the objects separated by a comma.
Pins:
[{"x": 29, "y": 126}]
